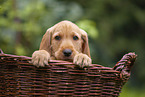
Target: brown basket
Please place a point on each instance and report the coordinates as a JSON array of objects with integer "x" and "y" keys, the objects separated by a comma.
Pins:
[{"x": 20, "y": 78}]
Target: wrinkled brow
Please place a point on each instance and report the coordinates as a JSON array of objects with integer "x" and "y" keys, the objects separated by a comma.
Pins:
[
  {"x": 76, "y": 34},
  {"x": 56, "y": 34}
]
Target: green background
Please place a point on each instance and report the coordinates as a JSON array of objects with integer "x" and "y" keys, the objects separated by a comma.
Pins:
[{"x": 115, "y": 27}]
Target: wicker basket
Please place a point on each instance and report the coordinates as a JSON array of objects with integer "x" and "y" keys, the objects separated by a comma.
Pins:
[{"x": 18, "y": 77}]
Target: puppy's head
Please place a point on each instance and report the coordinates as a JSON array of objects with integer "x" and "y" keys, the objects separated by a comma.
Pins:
[{"x": 64, "y": 40}]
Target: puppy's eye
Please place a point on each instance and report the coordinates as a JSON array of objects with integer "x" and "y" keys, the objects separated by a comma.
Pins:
[
  {"x": 57, "y": 37},
  {"x": 75, "y": 38}
]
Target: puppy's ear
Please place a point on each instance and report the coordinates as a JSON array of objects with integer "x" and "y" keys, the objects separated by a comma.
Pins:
[
  {"x": 46, "y": 41},
  {"x": 85, "y": 46}
]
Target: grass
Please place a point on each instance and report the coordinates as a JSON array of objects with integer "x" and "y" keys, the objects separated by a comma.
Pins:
[{"x": 132, "y": 92}]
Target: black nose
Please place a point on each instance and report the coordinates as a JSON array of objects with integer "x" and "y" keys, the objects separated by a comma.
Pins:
[{"x": 67, "y": 52}]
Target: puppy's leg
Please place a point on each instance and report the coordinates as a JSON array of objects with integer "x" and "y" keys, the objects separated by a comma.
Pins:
[
  {"x": 82, "y": 60},
  {"x": 40, "y": 58}
]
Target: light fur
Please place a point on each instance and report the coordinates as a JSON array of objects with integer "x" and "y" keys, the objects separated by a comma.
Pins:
[{"x": 50, "y": 48}]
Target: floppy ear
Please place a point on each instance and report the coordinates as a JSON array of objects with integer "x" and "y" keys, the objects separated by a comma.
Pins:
[
  {"x": 46, "y": 41},
  {"x": 85, "y": 46}
]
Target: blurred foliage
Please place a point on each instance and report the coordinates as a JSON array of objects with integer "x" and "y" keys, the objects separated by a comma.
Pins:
[
  {"x": 131, "y": 92},
  {"x": 114, "y": 27},
  {"x": 90, "y": 27}
]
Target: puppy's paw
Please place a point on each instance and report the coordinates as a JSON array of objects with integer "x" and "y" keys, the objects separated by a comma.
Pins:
[
  {"x": 82, "y": 60},
  {"x": 40, "y": 58}
]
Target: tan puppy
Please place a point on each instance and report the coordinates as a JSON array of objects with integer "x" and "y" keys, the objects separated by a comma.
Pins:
[{"x": 63, "y": 41}]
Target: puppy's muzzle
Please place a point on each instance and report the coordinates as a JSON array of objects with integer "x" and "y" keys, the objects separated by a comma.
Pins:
[{"x": 67, "y": 52}]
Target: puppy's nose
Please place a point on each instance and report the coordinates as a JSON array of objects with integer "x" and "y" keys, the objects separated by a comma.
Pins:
[{"x": 67, "y": 52}]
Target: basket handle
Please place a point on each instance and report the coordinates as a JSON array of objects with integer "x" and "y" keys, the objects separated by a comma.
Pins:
[
  {"x": 1, "y": 52},
  {"x": 125, "y": 64}
]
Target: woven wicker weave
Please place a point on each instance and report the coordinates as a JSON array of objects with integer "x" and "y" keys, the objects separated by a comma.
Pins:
[{"x": 20, "y": 78}]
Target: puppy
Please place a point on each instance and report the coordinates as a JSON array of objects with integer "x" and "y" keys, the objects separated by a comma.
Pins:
[{"x": 63, "y": 41}]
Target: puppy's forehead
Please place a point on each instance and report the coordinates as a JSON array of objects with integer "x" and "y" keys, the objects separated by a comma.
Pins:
[{"x": 66, "y": 27}]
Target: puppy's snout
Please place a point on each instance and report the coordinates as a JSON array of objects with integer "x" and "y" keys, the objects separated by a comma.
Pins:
[{"x": 67, "y": 52}]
